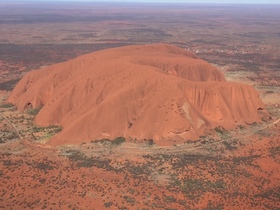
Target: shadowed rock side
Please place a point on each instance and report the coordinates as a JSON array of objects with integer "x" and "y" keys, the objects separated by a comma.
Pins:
[{"x": 158, "y": 92}]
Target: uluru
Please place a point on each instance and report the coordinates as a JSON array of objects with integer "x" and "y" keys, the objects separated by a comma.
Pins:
[{"x": 156, "y": 91}]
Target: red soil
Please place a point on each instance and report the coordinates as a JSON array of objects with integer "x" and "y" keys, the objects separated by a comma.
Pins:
[
  {"x": 43, "y": 179},
  {"x": 158, "y": 92}
]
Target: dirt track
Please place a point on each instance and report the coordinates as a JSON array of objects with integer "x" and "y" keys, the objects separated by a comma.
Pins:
[
  {"x": 130, "y": 148},
  {"x": 23, "y": 140},
  {"x": 136, "y": 149}
]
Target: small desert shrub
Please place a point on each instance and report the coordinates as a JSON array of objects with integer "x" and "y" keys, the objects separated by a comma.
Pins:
[
  {"x": 2, "y": 140},
  {"x": 45, "y": 166},
  {"x": 86, "y": 163},
  {"x": 75, "y": 155},
  {"x": 130, "y": 200},
  {"x": 118, "y": 140},
  {"x": 219, "y": 184},
  {"x": 38, "y": 129},
  {"x": 170, "y": 199},
  {"x": 151, "y": 142},
  {"x": 241, "y": 127},
  {"x": 192, "y": 185},
  {"x": 51, "y": 130},
  {"x": 229, "y": 146},
  {"x": 54, "y": 129},
  {"x": 274, "y": 151},
  {"x": 219, "y": 130},
  {"x": 222, "y": 132},
  {"x": 33, "y": 111},
  {"x": 103, "y": 141},
  {"x": 131, "y": 190},
  {"x": 12, "y": 136},
  {"x": 6, "y": 105},
  {"x": 108, "y": 204},
  {"x": 42, "y": 181}
]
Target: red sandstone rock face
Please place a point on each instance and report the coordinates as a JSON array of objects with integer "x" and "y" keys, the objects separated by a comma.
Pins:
[{"x": 153, "y": 91}]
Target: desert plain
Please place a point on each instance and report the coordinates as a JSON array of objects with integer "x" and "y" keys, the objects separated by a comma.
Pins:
[{"x": 227, "y": 167}]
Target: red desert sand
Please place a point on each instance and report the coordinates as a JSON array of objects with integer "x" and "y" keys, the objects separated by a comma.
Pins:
[{"x": 158, "y": 92}]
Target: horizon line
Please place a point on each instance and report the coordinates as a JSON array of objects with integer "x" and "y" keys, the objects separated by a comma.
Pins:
[{"x": 141, "y": 2}]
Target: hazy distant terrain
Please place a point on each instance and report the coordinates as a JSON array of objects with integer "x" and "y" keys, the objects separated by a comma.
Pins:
[
  {"x": 37, "y": 34},
  {"x": 229, "y": 169}
]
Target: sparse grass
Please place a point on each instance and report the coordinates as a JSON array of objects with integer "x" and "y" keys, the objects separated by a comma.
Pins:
[
  {"x": 54, "y": 129},
  {"x": 187, "y": 165},
  {"x": 274, "y": 151},
  {"x": 229, "y": 146},
  {"x": 6, "y": 105},
  {"x": 103, "y": 141},
  {"x": 116, "y": 141},
  {"x": 38, "y": 129},
  {"x": 223, "y": 133},
  {"x": 219, "y": 130},
  {"x": 33, "y": 112},
  {"x": 47, "y": 132},
  {"x": 75, "y": 155},
  {"x": 45, "y": 166}
]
